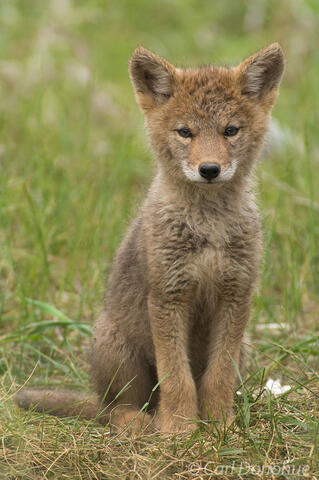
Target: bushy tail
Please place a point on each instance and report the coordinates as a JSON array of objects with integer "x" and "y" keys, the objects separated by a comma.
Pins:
[{"x": 61, "y": 403}]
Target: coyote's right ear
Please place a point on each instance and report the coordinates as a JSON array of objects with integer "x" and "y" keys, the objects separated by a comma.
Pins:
[{"x": 153, "y": 78}]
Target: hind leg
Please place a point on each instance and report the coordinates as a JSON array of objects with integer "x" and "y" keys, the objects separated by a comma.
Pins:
[{"x": 123, "y": 380}]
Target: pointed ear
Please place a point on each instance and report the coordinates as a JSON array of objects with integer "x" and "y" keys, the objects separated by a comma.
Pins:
[
  {"x": 261, "y": 73},
  {"x": 153, "y": 78}
]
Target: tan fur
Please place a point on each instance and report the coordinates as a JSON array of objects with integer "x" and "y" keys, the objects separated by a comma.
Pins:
[
  {"x": 61, "y": 403},
  {"x": 179, "y": 293}
]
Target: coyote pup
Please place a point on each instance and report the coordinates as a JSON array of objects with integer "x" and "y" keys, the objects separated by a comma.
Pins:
[{"x": 180, "y": 290}]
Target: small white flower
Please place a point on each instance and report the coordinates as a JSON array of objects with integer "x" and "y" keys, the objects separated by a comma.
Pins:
[{"x": 275, "y": 387}]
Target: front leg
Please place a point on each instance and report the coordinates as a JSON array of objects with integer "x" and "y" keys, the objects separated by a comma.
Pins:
[
  {"x": 218, "y": 383},
  {"x": 173, "y": 249},
  {"x": 178, "y": 399}
]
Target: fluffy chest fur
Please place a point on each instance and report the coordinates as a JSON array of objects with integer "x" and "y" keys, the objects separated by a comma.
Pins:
[{"x": 208, "y": 240}]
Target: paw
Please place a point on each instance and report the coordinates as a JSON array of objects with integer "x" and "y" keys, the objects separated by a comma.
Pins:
[
  {"x": 216, "y": 402},
  {"x": 132, "y": 422},
  {"x": 176, "y": 424}
]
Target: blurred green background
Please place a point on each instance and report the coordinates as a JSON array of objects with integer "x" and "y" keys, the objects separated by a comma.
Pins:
[{"x": 75, "y": 161}]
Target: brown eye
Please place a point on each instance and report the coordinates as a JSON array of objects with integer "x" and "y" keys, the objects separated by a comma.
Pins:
[
  {"x": 184, "y": 132},
  {"x": 231, "y": 131}
]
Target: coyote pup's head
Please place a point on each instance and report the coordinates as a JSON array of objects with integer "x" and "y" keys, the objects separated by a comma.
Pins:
[{"x": 207, "y": 124}]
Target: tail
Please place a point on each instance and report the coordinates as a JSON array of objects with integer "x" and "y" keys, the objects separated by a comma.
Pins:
[{"x": 61, "y": 403}]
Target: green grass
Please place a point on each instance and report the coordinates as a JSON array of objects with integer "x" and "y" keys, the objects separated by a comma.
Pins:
[{"x": 75, "y": 164}]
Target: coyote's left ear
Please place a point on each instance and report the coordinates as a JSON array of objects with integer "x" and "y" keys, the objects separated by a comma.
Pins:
[
  {"x": 261, "y": 73},
  {"x": 153, "y": 78}
]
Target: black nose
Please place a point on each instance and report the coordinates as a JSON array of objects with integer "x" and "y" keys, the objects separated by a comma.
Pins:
[{"x": 209, "y": 170}]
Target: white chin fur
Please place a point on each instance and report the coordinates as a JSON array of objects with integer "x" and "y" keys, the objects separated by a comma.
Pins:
[{"x": 225, "y": 175}]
